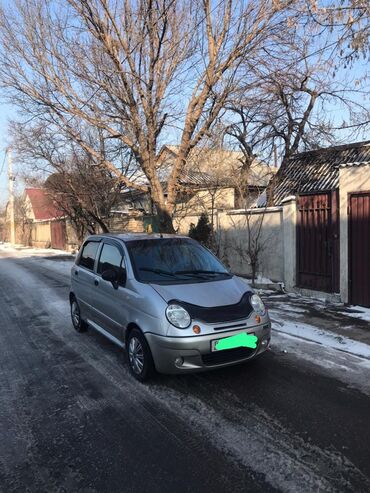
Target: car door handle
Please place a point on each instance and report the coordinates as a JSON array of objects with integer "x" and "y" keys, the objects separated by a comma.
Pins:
[
  {"x": 96, "y": 282},
  {"x": 76, "y": 272}
]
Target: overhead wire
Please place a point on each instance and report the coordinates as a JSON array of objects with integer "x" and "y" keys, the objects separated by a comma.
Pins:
[{"x": 2, "y": 166}]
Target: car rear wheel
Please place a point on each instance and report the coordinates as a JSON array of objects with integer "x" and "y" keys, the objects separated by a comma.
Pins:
[
  {"x": 139, "y": 356},
  {"x": 79, "y": 324}
]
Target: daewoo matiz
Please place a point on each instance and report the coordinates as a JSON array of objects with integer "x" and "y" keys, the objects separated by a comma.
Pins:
[{"x": 168, "y": 301}]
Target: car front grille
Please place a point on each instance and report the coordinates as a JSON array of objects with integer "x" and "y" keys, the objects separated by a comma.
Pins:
[{"x": 227, "y": 355}]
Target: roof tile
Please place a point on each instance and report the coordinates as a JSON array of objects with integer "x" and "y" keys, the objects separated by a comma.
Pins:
[{"x": 42, "y": 204}]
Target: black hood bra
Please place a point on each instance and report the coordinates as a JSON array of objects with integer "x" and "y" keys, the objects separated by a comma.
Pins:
[{"x": 216, "y": 314}]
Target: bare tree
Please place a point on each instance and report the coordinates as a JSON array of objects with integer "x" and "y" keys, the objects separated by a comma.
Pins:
[
  {"x": 288, "y": 109},
  {"x": 120, "y": 66},
  {"x": 86, "y": 195},
  {"x": 83, "y": 190},
  {"x": 349, "y": 21}
]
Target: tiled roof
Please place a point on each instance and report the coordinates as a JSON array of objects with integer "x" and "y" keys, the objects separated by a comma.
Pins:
[
  {"x": 206, "y": 166},
  {"x": 42, "y": 204},
  {"x": 202, "y": 179},
  {"x": 318, "y": 170}
]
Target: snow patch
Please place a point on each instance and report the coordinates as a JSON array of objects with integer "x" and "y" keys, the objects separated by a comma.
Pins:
[
  {"x": 324, "y": 337},
  {"x": 360, "y": 312},
  {"x": 353, "y": 370},
  {"x": 25, "y": 251}
]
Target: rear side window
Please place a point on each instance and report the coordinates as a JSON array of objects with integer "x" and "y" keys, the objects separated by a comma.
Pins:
[
  {"x": 110, "y": 258},
  {"x": 88, "y": 254}
]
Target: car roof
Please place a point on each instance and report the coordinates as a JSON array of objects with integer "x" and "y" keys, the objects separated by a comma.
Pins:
[{"x": 126, "y": 237}]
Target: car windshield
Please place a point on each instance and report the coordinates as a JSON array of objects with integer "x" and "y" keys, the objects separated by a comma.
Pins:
[{"x": 174, "y": 260}]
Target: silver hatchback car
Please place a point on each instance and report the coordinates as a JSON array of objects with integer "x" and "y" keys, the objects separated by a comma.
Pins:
[{"x": 168, "y": 301}]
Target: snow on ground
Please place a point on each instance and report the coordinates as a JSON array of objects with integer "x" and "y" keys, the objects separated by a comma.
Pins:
[
  {"x": 291, "y": 308},
  {"x": 55, "y": 260},
  {"x": 357, "y": 312},
  {"x": 259, "y": 280},
  {"x": 348, "y": 368},
  {"x": 317, "y": 335},
  {"x": 26, "y": 251}
]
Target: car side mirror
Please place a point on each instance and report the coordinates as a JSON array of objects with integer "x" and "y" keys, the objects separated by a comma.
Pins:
[
  {"x": 110, "y": 275},
  {"x": 115, "y": 277}
]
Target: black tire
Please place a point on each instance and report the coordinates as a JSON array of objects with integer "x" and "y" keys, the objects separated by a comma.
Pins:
[
  {"x": 77, "y": 322},
  {"x": 138, "y": 350}
]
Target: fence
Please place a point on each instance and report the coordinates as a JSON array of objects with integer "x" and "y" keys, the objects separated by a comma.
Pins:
[
  {"x": 269, "y": 231},
  {"x": 252, "y": 234},
  {"x": 61, "y": 233}
]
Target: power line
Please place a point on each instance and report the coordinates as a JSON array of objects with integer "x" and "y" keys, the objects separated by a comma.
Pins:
[{"x": 2, "y": 166}]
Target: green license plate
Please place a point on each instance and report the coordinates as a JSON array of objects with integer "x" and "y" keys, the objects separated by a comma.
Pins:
[{"x": 238, "y": 340}]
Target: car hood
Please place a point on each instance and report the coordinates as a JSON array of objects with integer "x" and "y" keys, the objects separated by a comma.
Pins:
[{"x": 206, "y": 294}]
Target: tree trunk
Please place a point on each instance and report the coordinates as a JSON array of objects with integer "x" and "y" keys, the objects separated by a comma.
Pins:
[
  {"x": 163, "y": 209},
  {"x": 254, "y": 271},
  {"x": 101, "y": 223},
  {"x": 165, "y": 221}
]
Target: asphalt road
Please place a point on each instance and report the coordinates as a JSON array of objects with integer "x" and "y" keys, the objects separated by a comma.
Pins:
[{"x": 72, "y": 418}]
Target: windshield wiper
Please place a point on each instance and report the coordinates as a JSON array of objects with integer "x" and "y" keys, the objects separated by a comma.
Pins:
[
  {"x": 199, "y": 271},
  {"x": 159, "y": 271}
]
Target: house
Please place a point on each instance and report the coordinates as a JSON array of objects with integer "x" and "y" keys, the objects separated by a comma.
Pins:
[
  {"x": 213, "y": 179},
  {"x": 47, "y": 220},
  {"x": 41, "y": 223},
  {"x": 39, "y": 205},
  {"x": 219, "y": 177},
  {"x": 322, "y": 223}
]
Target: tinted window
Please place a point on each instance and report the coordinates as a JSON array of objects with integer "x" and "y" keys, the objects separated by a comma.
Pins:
[
  {"x": 88, "y": 255},
  {"x": 172, "y": 260},
  {"x": 110, "y": 258}
]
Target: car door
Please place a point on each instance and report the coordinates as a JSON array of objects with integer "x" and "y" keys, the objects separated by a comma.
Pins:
[
  {"x": 83, "y": 277},
  {"x": 108, "y": 297}
]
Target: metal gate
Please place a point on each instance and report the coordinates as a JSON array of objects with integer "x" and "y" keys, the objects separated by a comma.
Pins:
[
  {"x": 359, "y": 248},
  {"x": 58, "y": 234},
  {"x": 318, "y": 242}
]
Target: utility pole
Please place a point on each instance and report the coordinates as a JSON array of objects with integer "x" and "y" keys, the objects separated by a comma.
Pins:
[{"x": 11, "y": 196}]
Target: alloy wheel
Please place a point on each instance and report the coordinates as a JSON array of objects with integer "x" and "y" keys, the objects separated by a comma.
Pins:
[{"x": 136, "y": 355}]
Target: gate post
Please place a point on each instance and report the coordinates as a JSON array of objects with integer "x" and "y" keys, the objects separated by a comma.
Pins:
[{"x": 290, "y": 241}]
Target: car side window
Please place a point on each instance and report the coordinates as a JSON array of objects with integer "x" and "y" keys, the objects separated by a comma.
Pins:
[
  {"x": 88, "y": 255},
  {"x": 110, "y": 258}
]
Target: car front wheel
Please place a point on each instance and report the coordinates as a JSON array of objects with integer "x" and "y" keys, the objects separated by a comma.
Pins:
[{"x": 139, "y": 356}]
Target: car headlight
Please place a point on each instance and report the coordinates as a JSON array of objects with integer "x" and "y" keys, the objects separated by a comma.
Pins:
[
  {"x": 257, "y": 304},
  {"x": 178, "y": 316}
]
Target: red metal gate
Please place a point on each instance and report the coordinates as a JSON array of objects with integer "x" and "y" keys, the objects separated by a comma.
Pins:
[
  {"x": 58, "y": 234},
  {"x": 318, "y": 242},
  {"x": 359, "y": 248}
]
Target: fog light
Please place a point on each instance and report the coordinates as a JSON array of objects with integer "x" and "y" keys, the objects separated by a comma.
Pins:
[
  {"x": 265, "y": 343},
  {"x": 196, "y": 329},
  {"x": 179, "y": 361}
]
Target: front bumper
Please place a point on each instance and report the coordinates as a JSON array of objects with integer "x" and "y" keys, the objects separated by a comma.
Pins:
[{"x": 195, "y": 351}]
